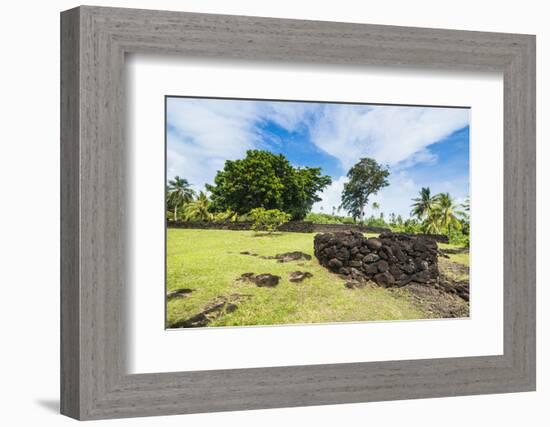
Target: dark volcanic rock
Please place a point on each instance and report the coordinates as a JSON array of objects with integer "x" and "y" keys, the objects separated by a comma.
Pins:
[
  {"x": 384, "y": 279},
  {"x": 371, "y": 258},
  {"x": 370, "y": 269},
  {"x": 216, "y": 308},
  {"x": 335, "y": 264},
  {"x": 355, "y": 284},
  {"x": 374, "y": 244},
  {"x": 292, "y": 256},
  {"x": 298, "y": 276},
  {"x": 383, "y": 266},
  {"x": 178, "y": 293},
  {"x": 391, "y": 259},
  {"x": 266, "y": 280}
]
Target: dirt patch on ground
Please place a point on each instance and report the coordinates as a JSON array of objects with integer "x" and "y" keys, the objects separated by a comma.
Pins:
[
  {"x": 215, "y": 309},
  {"x": 285, "y": 257},
  {"x": 455, "y": 278},
  {"x": 360, "y": 284},
  {"x": 264, "y": 280},
  {"x": 178, "y": 293},
  {"x": 449, "y": 297},
  {"x": 455, "y": 251},
  {"x": 436, "y": 301},
  {"x": 453, "y": 271},
  {"x": 292, "y": 256},
  {"x": 299, "y": 276}
]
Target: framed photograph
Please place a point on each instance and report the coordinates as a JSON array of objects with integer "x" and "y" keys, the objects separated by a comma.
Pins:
[{"x": 262, "y": 213}]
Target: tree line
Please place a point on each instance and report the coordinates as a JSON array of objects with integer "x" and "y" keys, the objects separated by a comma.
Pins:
[{"x": 264, "y": 184}]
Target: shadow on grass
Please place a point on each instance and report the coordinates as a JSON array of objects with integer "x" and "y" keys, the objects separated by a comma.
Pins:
[{"x": 267, "y": 234}]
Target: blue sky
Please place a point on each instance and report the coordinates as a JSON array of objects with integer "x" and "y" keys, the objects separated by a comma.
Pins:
[{"x": 423, "y": 146}]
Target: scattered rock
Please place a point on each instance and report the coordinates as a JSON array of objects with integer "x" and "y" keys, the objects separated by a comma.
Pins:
[
  {"x": 298, "y": 276},
  {"x": 245, "y": 276},
  {"x": 292, "y": 256},
  {"x": 354, "y": 284},
  {"x": 213, "y": 310},
  {"x": 455, "y": 278},
  {"x": 285, "y": 257},
  {"x": 436, "y": 301},
  {"x": 266, "y": 280},
  {"x": 178, "y": 293}
]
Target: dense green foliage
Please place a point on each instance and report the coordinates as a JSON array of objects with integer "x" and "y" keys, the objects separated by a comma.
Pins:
[
  {"x": 198, "y": 209},
  {"x": 266, "y": 189},
  {"x": 365, "y": 178},
  {"x": 323, "y": 218},
  {"x": 440, "y": 214},
  {"x": 266, "y": 180},
  {"x": 268, "y": 220}
]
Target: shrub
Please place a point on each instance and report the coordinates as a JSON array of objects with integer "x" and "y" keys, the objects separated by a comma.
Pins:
[
  {"x": 226, "y": 216},
  {"x": 323, "y": 218},
  {"x": 459, "y": 238},
  {"x": 268, "y": 220},
  {"x": 372, "y": 221}
]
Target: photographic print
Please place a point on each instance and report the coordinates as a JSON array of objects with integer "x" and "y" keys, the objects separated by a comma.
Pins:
[{"x": 297, "y": 212}]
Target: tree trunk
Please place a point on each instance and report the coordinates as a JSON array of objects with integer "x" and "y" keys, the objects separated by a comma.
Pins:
[{"x": 175, "y": 213}]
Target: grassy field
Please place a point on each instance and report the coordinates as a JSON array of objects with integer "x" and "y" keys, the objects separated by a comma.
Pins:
[
  {"x": 461, "y": 258},
  {"x": 209, "y": 263}
]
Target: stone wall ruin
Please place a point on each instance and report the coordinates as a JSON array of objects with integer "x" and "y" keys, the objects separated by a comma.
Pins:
[{"x": 392, "y": 259}]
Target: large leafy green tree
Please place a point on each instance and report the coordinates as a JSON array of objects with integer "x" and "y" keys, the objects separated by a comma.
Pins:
[
  {"x": 365, "y": 178},
  {"x": 266, "y": 180},
  {"x": 179, "y": 192}
]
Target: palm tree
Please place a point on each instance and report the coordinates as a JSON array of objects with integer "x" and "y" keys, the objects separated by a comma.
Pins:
[
  {"x": 179, "y": 193},
  {"x": 423, "y": 205},
  {"x": 431, "y": 224},
  {"x": 197, "y": 210},
  {"x": 447, "y": 211}
]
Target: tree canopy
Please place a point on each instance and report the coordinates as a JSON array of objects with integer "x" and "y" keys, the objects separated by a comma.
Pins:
[
  {"x": 366, "y": 177},
  {"x": 266, "y": 180}
]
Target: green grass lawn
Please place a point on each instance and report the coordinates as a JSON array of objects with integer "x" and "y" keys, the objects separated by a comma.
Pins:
[
  {"x": 209, "y": 262},
  {"x": 462, "y": 258}
]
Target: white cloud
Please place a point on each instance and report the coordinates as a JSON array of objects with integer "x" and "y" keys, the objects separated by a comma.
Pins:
[
  {"x": 206, "y": 133},
  {"x": 389, "y": 134},
  {"x": 397, "y": 196},
  {"x": 331, "y": 196}
]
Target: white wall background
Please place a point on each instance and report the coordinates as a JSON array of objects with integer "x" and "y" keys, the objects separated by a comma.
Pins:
[{"x": 29, "y": 217}]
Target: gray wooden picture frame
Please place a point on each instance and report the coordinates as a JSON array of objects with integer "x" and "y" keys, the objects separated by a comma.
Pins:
[{"x": 94, "y": 41}]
